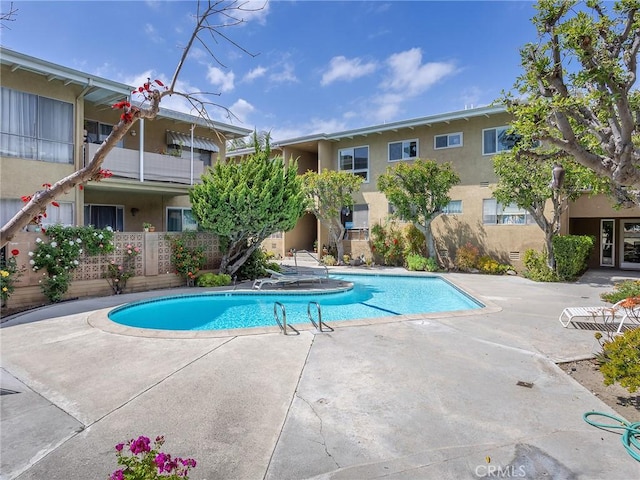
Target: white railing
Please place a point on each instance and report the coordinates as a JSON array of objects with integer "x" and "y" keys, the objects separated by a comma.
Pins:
[{"x": 125, "y": 163}]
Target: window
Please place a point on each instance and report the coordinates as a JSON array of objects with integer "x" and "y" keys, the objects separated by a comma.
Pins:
[
  {"x": 54, "y": 215},
  {"x": 495, "y": 213},
  {"x": 98, "y": 132},
  {"x": 35, "y": 127},
  {"x": 180, "y": 220},
  {"x": 103, "y": 216},
  {"x": 355, "y": 160},
  {"x": 449, "y": 140},
  {"x": 454, "y": 206},
  {"x": 404, "y": 150},
  {"x": 356, "y": 222},
  {"x": 499, "y": 139},
  {"x": 62, "y": 215}
]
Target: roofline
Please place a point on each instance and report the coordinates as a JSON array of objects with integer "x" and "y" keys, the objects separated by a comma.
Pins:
[
  {"x": 219, "y": 126},
  {"x": 415, "y": 122},
  {"x": 53, "y": 70}
]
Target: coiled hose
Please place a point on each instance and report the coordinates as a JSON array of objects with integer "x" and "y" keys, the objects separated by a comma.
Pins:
[{"x": 630, "y": 437}]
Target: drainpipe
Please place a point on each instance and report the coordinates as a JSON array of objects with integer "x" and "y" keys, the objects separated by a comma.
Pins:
[
  {"x": 141, "y": 150},
  {"x": 191, "y": 176}
]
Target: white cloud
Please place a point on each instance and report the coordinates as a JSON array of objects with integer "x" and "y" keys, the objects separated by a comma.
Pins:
[
  {"x": 286, "y": 75},
  {"x": 220, "y": 79},
  {"x": 152, "y": 33},
  {"x": 387, "y": 106},
  {"x": 242, "y": 109},
  {"x": 253, "y": 10},
  {"x": 342, "y": 68},
  {"x": 408, "y": 74},
  {"x": 255, "y": 73}
]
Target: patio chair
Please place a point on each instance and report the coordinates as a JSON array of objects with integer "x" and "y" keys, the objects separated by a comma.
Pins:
[
  {"x": 278, "y": 278},
  {"x": 607, "y": 314}
]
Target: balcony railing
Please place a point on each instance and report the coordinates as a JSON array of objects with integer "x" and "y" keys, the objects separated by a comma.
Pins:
[{"x": 125, "y": 163}]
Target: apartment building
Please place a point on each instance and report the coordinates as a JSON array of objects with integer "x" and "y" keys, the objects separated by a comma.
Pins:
[
  {"x": 468, "y": 139},
  {"x": 54, "y": 119}
]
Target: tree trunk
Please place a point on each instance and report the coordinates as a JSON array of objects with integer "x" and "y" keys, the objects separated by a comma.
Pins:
[{"x": 548, "y": 240}]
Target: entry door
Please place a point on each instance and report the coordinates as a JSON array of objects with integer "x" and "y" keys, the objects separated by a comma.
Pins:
[
  {"x": 630, "y": 244},
  {"x": 607, "y": 243}
]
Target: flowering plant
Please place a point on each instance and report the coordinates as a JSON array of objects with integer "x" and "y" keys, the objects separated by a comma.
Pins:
[
  {"x": 118, "y": 274},
  {"x": 60, "y": 256},
  {"x": 9, "y": 273},
  {"x": 147, "y": 463},
  {"x": 186, "y": 260}
]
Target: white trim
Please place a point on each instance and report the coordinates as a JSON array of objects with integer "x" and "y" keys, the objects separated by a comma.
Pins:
[
  {"x": 353, "y": 169},
  {"x": 496, "y": 145},
  {"x": 403, "y": 157},
  {"x": 612, "y": 243},
  {"x": 448, "y": 135},
  {"x": 623, "y": 264}
]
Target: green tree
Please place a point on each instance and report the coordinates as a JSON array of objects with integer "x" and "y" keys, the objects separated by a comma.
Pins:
[
  {"x": 419, "y": 191},
  {"x": 245, "y": 202},
  {"x": 328, "y": 193},
  {"x": 527, "y": 181},
  {"x": 577, "y": 91}
]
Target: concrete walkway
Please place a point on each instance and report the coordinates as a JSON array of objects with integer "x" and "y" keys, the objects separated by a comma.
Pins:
[{"x": 409, "y": 399}]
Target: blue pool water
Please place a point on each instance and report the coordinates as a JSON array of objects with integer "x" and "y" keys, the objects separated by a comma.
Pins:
[{"x": 371, "y": 296}]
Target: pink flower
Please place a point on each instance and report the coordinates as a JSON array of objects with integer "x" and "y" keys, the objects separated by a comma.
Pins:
[
  {"x": 140, "y": 445},
  {"x": 119, "y": 447},
  {"x": 117, "y": 475}
]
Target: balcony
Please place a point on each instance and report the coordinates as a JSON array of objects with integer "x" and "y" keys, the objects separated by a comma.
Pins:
[{"x": 125, "y": 163}]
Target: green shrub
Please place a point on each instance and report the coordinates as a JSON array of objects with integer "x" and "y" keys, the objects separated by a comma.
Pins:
[
  {"x": 214, "y": 280},
  {"x": 622, "y": 290},
  {"x": 414, "y": 241},
  {"x": 329, "y": 260},
  {"x": 387, "y": 244},
  {"x": 571, "y": 253},
  {"x": 620, "y": 360},
  {"x": 256, "y": 265},
  {"x": 418, "y": 263},
  {"x": 536, "y": 267},
  {"x": 467, "y": 257},
  {"x": 486, "y": 264}
]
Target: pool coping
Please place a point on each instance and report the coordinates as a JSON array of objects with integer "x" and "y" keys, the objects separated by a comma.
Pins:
[{"x": 99, "y": 318}]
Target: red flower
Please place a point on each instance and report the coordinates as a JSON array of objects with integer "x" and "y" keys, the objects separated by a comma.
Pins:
[
  {"x": 46, "y": 185},
  {"x": 55, "y": 204},
  {"x": 25, "y": 198},
  {"x": 81, "y": 187},
  {"x": 395, "y": 241},
  {"x": 122, "y": 104},
  {"x": 15, "y": 252},
  {"x": 159, "y": 83}
]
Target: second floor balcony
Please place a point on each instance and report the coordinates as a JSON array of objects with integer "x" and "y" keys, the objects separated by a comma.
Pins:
[{"x": 149, "y": 166}]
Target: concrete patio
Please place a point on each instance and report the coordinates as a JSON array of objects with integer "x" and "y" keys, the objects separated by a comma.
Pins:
[{"x": 405, "y": 399}]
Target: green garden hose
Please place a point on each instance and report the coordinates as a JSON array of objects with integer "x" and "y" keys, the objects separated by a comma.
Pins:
[{"x": 631, "y": 436}]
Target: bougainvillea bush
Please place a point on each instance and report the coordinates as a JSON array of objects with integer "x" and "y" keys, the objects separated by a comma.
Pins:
[{"x": 142, "y": 461}]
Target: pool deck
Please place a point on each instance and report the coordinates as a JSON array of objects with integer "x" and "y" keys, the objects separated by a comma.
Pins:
[{"x": 417, "y": 397}]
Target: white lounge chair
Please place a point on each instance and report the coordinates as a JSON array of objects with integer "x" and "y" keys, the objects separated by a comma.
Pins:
[
  {"x": 278, "y": 278},
  {"x": 607, "y": 314}
]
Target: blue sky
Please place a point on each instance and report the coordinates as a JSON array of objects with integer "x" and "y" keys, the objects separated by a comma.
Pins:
[{"x": 320, "y": 66}]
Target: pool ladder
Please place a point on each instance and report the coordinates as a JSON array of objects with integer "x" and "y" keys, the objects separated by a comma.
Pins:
[
  {"x": 319, "y": 326},
  {"x": 279, "y": 308}
]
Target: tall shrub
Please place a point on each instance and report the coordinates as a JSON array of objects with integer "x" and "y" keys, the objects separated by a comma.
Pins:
[{"x": 571, "y": 253}]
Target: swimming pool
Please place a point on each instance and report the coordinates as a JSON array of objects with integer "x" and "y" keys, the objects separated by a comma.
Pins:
[{"x": 372, "y": 296}]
